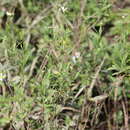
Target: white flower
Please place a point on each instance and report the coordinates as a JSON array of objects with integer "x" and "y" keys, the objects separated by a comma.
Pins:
[
  {"x": 2, "y": 76},
  {"x": 76, "y": 57},
  {"x": 63, "y": 9},
  {"x": 77, "y": 54},
  {"x": 9, "y": 14}
]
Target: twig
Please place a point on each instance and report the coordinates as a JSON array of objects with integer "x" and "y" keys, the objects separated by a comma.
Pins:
[
  {"x": 78, "y": 93},
  {"x": 32, "y": 68},
  {"x": 69, "y": 109},
  {"x": 89, "y": 91},
  {"x": 75, "y": 86},
  {"x": 37, "y": 19},
  {"x": 31, "y": 71},
  {"x": 126, "y": 119},
  {"x": 40, "y": 17},
  {"x": 42, "y": 66}
]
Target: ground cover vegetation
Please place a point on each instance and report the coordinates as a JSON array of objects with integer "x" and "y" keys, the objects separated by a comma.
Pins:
[{"x": 64, "y": 65}]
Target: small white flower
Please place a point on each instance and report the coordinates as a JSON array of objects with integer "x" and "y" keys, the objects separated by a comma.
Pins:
[
  {"x": 77, "y": 54},
  {"x": 123, "y": 16},
  {"x": 9, "y": 14},
  {"x": 63, "y": 9},
  {"x": 2, "y": 76},
  {"x": 76, "y": 57}
]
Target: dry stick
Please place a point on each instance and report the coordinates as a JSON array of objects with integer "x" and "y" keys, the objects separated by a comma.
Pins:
[
  {"x": 56, "y": 54},
  {"x": 126, "y": 119},
  {"x": 32, "y": 69},
  {"x": 116, "y": 84},
  {"x": 78, "y": 93},
  {"x": 40, "y": 17},
  {"x": 125, "y": 109},
  {"x": 89, "y": 92},
  {"x": 44, "y": 63},
  {"x": 44, "y": 13},
  {"x": 70, "y": 109},
  {"x": 75, "y": 86},
  {"x": 31, "y": 72}
]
